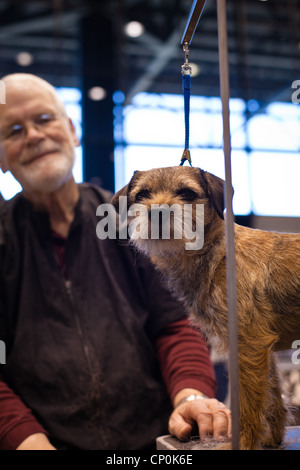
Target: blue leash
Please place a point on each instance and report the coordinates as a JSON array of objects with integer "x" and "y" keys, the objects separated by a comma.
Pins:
[{"x": 186, "y": 88}]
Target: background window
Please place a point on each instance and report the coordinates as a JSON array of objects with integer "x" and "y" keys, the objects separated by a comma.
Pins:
[{"x": 265, "y": 147}]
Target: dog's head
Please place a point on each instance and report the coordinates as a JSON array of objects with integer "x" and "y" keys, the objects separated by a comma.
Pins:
[{"x": 172, "y": 205}]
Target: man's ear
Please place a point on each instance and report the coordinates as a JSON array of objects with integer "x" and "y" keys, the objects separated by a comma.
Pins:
[
  {"x": 73, "y": 132},
  {"x": 3, "y": 165}
]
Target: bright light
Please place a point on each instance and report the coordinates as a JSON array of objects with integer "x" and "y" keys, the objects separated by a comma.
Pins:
[
  {"x": 24, "y": 59},
  {"x": 196, "y": 70},
  {"x": 118, "y": 97},
  {"x": 134, "y": 29},
  {"x": 97, "y": 93},
  {"x": 275, "y": 183}
]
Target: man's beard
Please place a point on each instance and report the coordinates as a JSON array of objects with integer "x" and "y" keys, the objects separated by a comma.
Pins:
[{"x": 46, "y": 177}]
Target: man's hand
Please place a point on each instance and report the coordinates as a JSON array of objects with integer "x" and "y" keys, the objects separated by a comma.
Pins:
[
  {"x": 38, "y": 441},
  {"x": 206, "y": 417}
]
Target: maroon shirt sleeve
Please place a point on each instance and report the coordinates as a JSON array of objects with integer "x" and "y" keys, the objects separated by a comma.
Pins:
[
  {"x": 185, "y": 359},
  {"x": 16, "y": 420}
]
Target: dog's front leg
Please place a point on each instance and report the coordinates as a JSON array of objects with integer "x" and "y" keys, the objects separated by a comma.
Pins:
[
  {"x": 276, "y": 410},
  {"x": 254, "y": 367}
]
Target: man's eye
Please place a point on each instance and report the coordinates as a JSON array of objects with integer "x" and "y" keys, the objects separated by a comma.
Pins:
[
  {"x": 143, "y": 194},
  {"x": 44, "y": 119},
  {"x": 187, "y": 194},
  {"x": 14, "y": 130}
]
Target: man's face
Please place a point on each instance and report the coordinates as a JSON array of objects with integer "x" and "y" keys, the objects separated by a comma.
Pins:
[{"x": 38, "y": 153}]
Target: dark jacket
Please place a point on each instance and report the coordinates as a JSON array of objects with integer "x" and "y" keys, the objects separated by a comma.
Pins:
[{"x": 80, "y": 352}]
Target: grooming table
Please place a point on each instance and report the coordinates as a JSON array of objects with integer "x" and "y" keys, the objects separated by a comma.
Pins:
[{"x": 291, "y": 442}]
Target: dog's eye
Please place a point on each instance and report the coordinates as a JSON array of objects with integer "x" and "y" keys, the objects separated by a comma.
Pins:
[
  {"x": 143, "y": 194},
  {"x": 187, "y": 194}
]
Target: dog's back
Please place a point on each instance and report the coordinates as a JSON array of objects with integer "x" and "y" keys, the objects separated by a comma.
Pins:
[{"x": 269, "y": 264}]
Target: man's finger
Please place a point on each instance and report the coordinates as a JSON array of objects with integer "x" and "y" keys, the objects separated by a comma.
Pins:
[
  {"x": 221, "y": 423},
  {"x": 179, "y": 426},
  {"x": 211, "y": 416},
  {"x": 221, "y": 419},
  {"x": 205, "y": 423}
]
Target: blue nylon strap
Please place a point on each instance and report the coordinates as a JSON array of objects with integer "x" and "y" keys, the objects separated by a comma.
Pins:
[{"x": 186, "y": 87}]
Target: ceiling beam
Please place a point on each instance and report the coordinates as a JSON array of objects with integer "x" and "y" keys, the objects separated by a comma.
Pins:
[
  {"x": 164, "y": 53},
  {"x": 41, "y": 42},
  {"x": 40, "y": 24}
]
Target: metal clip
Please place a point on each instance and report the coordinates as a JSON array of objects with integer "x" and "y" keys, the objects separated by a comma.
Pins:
[
  {"x": 186, "y": 157},
  {"x": 186, "y": 69}
]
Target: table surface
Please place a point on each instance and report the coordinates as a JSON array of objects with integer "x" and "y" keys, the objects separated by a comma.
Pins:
[{"x": 291, "y": 442}]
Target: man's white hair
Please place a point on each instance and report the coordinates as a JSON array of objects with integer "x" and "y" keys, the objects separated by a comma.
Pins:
[{"x": 27, "y": 80}]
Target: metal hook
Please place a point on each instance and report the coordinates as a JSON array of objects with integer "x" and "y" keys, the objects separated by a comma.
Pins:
[{"x": 186, "y": 69}]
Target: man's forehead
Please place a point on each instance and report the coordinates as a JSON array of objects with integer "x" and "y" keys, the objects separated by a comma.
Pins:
[
  {"x": 26, "y": 82},
  {"x": 23, "y": 91},
  {"x": 28, "y": 99}
]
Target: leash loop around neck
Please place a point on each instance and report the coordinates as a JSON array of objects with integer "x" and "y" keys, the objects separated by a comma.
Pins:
[{"x": 186, "y": 72}]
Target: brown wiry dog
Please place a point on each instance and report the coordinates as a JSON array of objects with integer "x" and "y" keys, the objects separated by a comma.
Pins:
[{"x": 268, "y": 288}]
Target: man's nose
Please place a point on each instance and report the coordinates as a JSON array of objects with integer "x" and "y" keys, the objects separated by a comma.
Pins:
[{"x": 33, "y": 133}]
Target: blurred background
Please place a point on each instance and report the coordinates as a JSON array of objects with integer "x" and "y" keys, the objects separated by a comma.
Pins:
[{"x": 117, "y": 66}]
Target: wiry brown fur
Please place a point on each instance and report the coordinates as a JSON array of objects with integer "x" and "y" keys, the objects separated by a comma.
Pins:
[{"x": 268, "y": 290}]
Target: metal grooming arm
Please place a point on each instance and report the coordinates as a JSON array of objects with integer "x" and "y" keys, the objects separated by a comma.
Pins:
[
  {"x": 229, "y": 226},
  {"x": 192, "y": 22},
  {"x": 194, "y": 17}
]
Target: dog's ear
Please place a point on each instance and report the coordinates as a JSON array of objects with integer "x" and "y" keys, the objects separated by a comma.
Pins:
[
  {"x": 124, "y": 192},
  {"x": 115, "y": 198},
  {"x": 215, "y": 191}
]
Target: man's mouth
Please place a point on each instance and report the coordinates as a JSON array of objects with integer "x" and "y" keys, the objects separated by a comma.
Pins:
[{"x": 38, "y": 156}]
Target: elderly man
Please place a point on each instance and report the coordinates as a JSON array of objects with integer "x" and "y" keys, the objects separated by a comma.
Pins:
[{"x": 99, "y": 356}]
